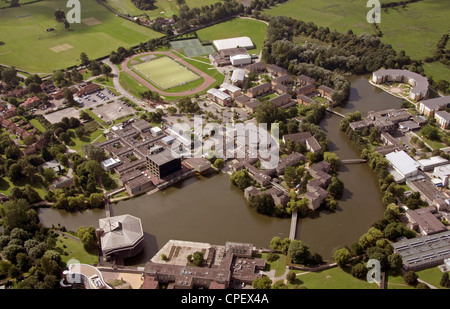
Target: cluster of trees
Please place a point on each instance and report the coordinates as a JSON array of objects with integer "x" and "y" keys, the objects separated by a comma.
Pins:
[
  {"x": 376, "y": 244},
  {"x": 259, "y": 5},
  {"x": 9, "y": 76},
  {"x": 60, "y": 16},
  {"x": 188, "y": 106},
  {"x": 297, "y": 250},
  {"x": 150, "y": 95},
  {"x": 242, "y": 179},
  {"x": 144, "y": 5},
  {"x": 398, "y": 3},
  {"x": 30, "y": 255},
  {"x": 66, "y": 78},
  {"x": 189, "y": 18}
]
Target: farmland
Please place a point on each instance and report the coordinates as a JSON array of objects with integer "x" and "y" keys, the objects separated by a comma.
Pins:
[
  {"x": 28, "y": 46},
  {"x": 415, "y": 28}
]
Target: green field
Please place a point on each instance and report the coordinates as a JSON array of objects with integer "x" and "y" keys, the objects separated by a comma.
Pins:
[
  {"x": 164, "y": 8},
  {"x": 254, "y": 29},
  {"x": 74, "y": 249},
  {"x": 416, "y": 29},
  {"x": 30, "y": 48},
  {"x": 165, "y": 73}
]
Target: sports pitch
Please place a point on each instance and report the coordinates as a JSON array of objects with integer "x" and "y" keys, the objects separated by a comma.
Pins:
[
  {"x": 193, "y": 47},
  {"x": 165, "y": 72}
]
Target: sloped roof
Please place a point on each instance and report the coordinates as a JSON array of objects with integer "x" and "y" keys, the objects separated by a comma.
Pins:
[{"x": 120, "y": 232}]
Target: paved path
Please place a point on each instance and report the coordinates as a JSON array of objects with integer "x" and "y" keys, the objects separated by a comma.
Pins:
[{"x": 208, "y": 80}]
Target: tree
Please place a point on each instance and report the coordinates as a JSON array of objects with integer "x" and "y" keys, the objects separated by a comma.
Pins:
[
  {"x": 291, "y": 277},
  {"x": 263, "y": 283},
  {"x": 395, "y": 262},
  {"x": 342, "y": 256},
  {"x": 197, "y": 259},
  {"x": 80, "y": 132},
  {"x": 87, "y": 237},
  {"x": 333, "y": 159},
  {"x": 93, "y": 153},
  {"x": 219, "y": 163},
  {"x": 369, "y": 239},
  {"x": 445, "y": 282},
  {"x": 84, "y": 59},
  {"x": 298, "y": 251},
  {"x": 430, "y": 132},
  {"x": 336, "y": 188},
  {"x": 280, "y": 245},
  {"x": 359, "y": 271},
  {"x": 262, "y": 203},
  {"x": 410, "y": 278},
  {"x": 60, "y": 15},
  {"x": 12, "y": 152},
  {"x": 241, "y": 179}
]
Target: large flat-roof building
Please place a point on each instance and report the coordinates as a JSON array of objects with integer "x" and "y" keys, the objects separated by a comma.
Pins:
[
  {"x": 418, "y": 82},
  {"x": 424, "y": 221},
  {"x": 423, "y": 252},
  {"x": 430, "y": 106},
  {"x": 403, "y": 163},
  {"x": 243, "y": 41},
  {"x": 161, "y": 162}
]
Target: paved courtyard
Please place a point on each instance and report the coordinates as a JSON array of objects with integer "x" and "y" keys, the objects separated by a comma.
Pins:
[
  {"x": 113, "y": 111},
  {"x": 58, "y": 115}
]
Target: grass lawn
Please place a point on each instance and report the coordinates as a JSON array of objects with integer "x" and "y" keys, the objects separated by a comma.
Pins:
[
  {"x": 6, "y": 186},
  {"x": 254, "y": 29},
  {"x": 279, "y": 265},
  {"x": 130, "y": 84},
  {"x": 103, "y": 81},
  {"x": 432, "y": 276},
  {"x": 102, "y": 32},
  {"x": 437, "y": 70},
  {"x": 164, "y": 8},
  {"x": 165, "y": 72},
  {"x": 35, "y": 123},
  {"x": 75, "y": 250},
  {"x": 433, "y": 144},
  {"x": 415, "y": 29},
  {"x": 333, "y": 278},
  {"x": 97, "y": 136}
]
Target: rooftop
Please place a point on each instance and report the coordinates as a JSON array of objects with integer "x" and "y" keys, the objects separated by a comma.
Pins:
[
  {"x": 243, "y": 41},
  {"x": 120, "y": 232},
  {"x": 402, "y": 162}
]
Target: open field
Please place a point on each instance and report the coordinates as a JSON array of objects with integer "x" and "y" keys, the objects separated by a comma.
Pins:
[
  {"x": 75, "y": 250},
  {"x": 29, "y": 47},
  {"x": 416, "y": 29},
  {"x": 165, "y": 72},
  {"x": 254, "y": 29},
  {"x": 165, "y": 8}
]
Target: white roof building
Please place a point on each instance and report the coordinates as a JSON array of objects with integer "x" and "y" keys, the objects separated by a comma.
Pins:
[
  {"x": 219, "y": 94},
  {"x": 110, "y": 163},
  {"x": 243, "y": 41},
  {"x": 241, "y": 59},
  {"x": 238, "y": 76},
  {"x": 430, "y": 163},
  {"x": 403, "y": 163}
]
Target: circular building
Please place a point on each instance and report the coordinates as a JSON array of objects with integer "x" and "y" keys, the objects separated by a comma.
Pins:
[{"x": 120, "y": 237}]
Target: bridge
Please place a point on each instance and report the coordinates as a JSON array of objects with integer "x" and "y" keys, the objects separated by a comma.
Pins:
[
  {"x": 354, "y": 161},
  {"x": 335, "y": 112},
  {"x": 293, "y": 228}
]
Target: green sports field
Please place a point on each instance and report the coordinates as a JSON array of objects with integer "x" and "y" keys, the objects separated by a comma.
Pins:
[
  {"x": 165, "y": 72},
  {"x": 29, "y": 47}
]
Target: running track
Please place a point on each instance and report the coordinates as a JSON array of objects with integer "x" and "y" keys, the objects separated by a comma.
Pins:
[{"x": 208, "y": 80}]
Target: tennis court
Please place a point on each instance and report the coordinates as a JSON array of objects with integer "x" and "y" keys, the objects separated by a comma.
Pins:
[
  {"x": 193, "y": 47},
  {"x": 165, "y": 72}
]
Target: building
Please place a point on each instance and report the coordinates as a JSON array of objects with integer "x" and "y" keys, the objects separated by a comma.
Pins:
[
  {"x": 240, "y": 59},
  {"x": 161, "y": 162},
  {"x": 430, "y": 163},
  {"x": 259, "y": 90},
  {"x": 442, "y": 119},
  {"x": 442, "y": 172},
  {"x": 403, "y": 163},
  {"x": 222, "y": 265},
  {"x": 241, "y": 100},
  {"x": 424, "y": 221},
  {"x": 31, "y": 102},
  {"x": 418, "y": 82},
  {"x": 304, "y": 80},
  {"x": 316, "y": 195},
  {"x": 140, "y": 184},
  {"x": 280, "y": 89},
  {"x": 304, "y": 100},
  {"x": 428, "y": 191},
  {"x": 142, "y": 125},
  {"x": 244, "y": 42},
  {"x": 313, "y": 145},
  {"x": 423, "y": 252},
  {"x": 255, "y": 67},
  {"x": 85, "y": 275},
  {"x": 54, "y": 165},
  {"x": 251, "y": 105},
  {"x": 307, "y": 89},
  {"x": 120, "y": 236},
  {"x": 88, "y": 89},
  {"x": 297, "y": 137},
  {"x": 430, "y": 106},
  {"x": 326, "y": 92},
  {"x": 238, "y": 77},
  {"x": 110, "y": 164},
  {"x": 284, "y": 100},
  {"x": 219, "y": 96},
  {"x": 283, "y": 80},
  {"x": 276, "y": 70},
  {"x": 408, "y": 125},
  {"x": 289, "y": 160},
  {"x": 230, "y": 89}
]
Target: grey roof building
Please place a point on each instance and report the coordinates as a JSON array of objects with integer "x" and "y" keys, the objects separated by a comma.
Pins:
[
  {"x": 423, "y": 252},
  {"x": 120, "y": 236}
]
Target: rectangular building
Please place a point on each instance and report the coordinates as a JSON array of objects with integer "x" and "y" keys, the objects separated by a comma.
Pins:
[{"x": 161, "y": 162}]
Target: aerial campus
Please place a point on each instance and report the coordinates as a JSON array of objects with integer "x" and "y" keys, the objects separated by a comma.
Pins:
[{"x": 238, "y": 145}]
